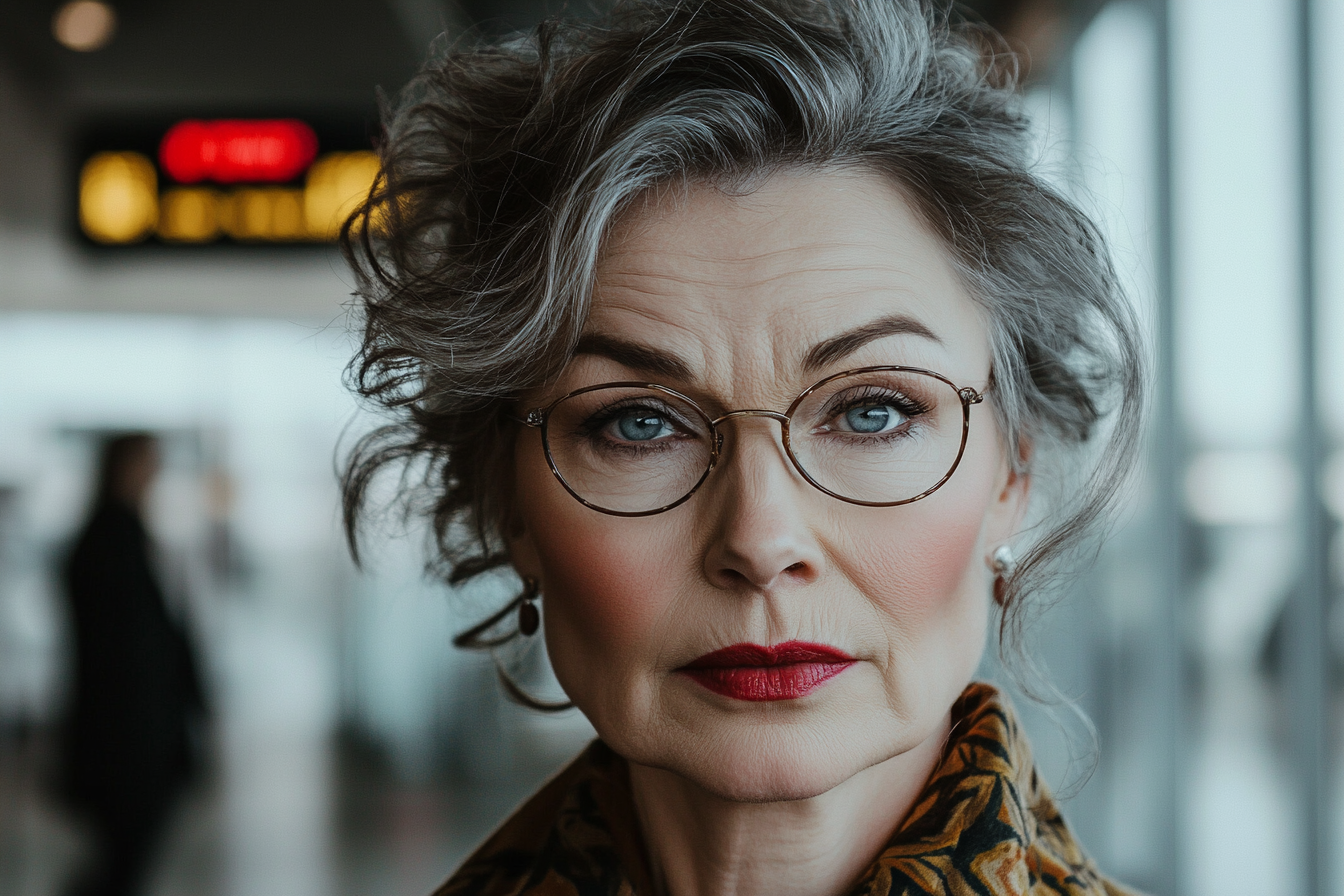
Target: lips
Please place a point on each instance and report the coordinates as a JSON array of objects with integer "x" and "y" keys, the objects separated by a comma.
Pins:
[{"x": 757, "y": 673}]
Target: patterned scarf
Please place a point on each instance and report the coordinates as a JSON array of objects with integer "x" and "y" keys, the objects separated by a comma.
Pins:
[{"x": 984, "y": 824}]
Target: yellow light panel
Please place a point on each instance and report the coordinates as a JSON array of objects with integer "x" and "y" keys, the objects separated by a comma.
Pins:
[
  {"x": 263, "y": 214},
  {"x": 287, "y": 221},
  {"x": 118, "y": 197},
  {"x": 337, "y": 183},
  {"x": 189, "y": 215},
  {"x": 119, "y": 203}
]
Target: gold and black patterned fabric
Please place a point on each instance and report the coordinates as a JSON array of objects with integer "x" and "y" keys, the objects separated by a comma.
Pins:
[{"x": 985, "y": 824}]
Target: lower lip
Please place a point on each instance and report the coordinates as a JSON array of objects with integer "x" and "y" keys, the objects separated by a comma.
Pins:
[{"x": 760, "y": 682}]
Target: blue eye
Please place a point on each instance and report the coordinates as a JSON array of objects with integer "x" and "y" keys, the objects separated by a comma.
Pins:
[
  {"x": 872, "y": 419},
  {"x": 642, "y": 427}
]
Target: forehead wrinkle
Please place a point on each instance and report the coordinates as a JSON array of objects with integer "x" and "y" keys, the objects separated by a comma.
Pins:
[
  {"x": 724, "y": 373},
  {"x": 615, "y": 305},
  {"x": 873, "y": 279},
  {"x": 687, "y": 339},
  {"x": 708, "y": 339},
  {"x": 627, "y": 262},
  {"x": 637, "y": 282},
  {"x": 724, "y": 251},
  {"x": 750, "y": 283}
]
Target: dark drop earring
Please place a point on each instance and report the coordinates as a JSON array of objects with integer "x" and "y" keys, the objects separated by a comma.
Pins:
[
  {"x": 529, "y": 620},
  {"x": 529, "y": 617}
]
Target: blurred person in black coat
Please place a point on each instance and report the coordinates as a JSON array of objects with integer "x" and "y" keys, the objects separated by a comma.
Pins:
[{"x": 127, "y": 748}]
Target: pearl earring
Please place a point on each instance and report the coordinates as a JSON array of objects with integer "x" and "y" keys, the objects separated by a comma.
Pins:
[{"x": 1003, "y": 564}]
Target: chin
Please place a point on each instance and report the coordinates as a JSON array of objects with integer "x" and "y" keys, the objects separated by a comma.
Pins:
[{"x": 765, "y": 763}]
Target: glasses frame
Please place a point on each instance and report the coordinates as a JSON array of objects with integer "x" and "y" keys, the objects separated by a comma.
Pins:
[{"x": 539, "y": 418}]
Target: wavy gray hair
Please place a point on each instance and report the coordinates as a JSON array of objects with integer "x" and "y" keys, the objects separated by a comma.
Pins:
[{"x": 505, "y": 164}]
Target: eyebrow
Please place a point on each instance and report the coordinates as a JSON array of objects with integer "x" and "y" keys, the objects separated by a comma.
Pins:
[
  {"x": 659, "y": 363},
  {"x": 635, "y": 356},
  {"x": 828, "y": 351}
]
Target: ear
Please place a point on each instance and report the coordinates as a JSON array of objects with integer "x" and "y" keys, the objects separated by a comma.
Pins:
[
  {"x": 519, "y": 543},
  {"x": 1012, "y": 497},
  {"x": 521, "y": 548}
]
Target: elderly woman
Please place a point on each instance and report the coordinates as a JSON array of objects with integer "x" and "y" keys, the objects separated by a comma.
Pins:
[{"x": 742, "y": 333}]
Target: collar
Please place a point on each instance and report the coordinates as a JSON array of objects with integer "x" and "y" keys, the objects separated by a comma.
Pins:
[{"x": 985, "y": 823}]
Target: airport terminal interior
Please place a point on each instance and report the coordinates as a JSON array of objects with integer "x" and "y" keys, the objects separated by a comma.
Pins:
[{"x": 348, "y": 748}]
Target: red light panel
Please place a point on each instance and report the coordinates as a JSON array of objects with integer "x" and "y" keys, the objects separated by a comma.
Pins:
[{"x": 237, "y": 150}]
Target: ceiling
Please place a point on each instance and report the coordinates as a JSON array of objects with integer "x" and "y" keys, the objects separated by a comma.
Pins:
[
  {"x": 328, "y": 53},
  {"x": 313, "y": 58},
  {"x": 185, "y": 52}
]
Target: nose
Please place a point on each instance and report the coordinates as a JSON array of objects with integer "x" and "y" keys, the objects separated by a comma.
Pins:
[{"x": 760, "y": 533}]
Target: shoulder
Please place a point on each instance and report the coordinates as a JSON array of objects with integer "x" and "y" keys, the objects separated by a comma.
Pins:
[
  {"x": 109, "y": 527},
  {"x": 985, "y": 821},
  {"x": 574, "y": 835}
]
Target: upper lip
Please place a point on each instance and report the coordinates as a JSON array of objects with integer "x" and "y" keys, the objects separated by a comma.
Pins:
[{"x": 788, "y": 653}]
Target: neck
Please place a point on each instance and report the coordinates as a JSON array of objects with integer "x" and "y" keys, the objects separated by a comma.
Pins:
[{"x": 700, "y": 844}]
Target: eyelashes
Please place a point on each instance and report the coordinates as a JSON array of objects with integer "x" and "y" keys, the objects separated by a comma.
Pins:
[{"x": 875, "y": 395}]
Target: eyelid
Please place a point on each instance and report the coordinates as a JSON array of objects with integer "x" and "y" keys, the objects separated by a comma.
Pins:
[
  {"x": 904, "y": 403},
  {"x": 607, "y": 412}
]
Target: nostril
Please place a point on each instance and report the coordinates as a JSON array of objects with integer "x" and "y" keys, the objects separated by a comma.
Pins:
[
  {"x": 797, "y": 567},
  {"x": 734, "y": 578}
]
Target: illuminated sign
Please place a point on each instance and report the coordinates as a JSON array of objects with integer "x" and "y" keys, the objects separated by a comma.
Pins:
[
  {"x": 230, "y": 152},
  {"x": 118, "y": 197},
  {"x": 234, "y": 180}
]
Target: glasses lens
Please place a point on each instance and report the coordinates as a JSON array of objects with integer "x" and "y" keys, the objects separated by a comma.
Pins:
[
  {"x": 629, "y": 450},
  {"x": 878, "y": 437}
]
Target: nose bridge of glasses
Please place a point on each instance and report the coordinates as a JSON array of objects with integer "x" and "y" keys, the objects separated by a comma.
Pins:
[
  {"x": 781, "y": 419},
  {"x": 753, "y": 412}
]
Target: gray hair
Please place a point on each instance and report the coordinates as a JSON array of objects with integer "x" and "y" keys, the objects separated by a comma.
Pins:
[{"x": 505, "y": 164}]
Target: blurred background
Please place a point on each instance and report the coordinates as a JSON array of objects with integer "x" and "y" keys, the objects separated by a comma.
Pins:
[{"x": 148, "y": 283}]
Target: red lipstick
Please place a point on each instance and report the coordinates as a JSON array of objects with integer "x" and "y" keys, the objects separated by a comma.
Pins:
[{"x": 751, "y": 672}]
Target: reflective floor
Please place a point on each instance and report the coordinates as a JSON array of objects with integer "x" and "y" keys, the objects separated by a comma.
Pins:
[
  {"x": 279, "y": 813},
  {"x": 288, "y": 817}
]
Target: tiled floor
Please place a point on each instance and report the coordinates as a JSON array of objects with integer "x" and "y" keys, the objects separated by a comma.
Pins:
[{"x": 294, "y": 819}]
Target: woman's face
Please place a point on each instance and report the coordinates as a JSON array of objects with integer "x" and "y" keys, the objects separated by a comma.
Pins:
[{"x": 722, "y": 298}]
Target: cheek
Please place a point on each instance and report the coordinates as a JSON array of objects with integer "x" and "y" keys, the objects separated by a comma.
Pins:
[
  {"x": 920, "y": 555},
  {"x": 922, "y": 568},
  {"x": 600, "y": 584},
  {"x": 607, "y": 581}
]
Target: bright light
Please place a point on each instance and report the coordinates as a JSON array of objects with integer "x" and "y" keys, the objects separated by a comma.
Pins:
[
  {"x": 337, "y": 183},
  {"x": 120, "y": 200},
  {"x": 84, "y": 25},
  {"x": 118, "y": 197},
  {"x": 188, "y": 215},
  {"x": 263, "y": 214},
  {"x": 237, "y": 151}
]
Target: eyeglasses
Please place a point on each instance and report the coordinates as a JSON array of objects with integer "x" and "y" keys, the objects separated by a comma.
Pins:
[{"x": 876, "y": 436}]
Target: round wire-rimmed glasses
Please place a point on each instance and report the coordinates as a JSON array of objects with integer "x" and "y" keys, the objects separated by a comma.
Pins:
[{"x": 873, "y": 436}]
